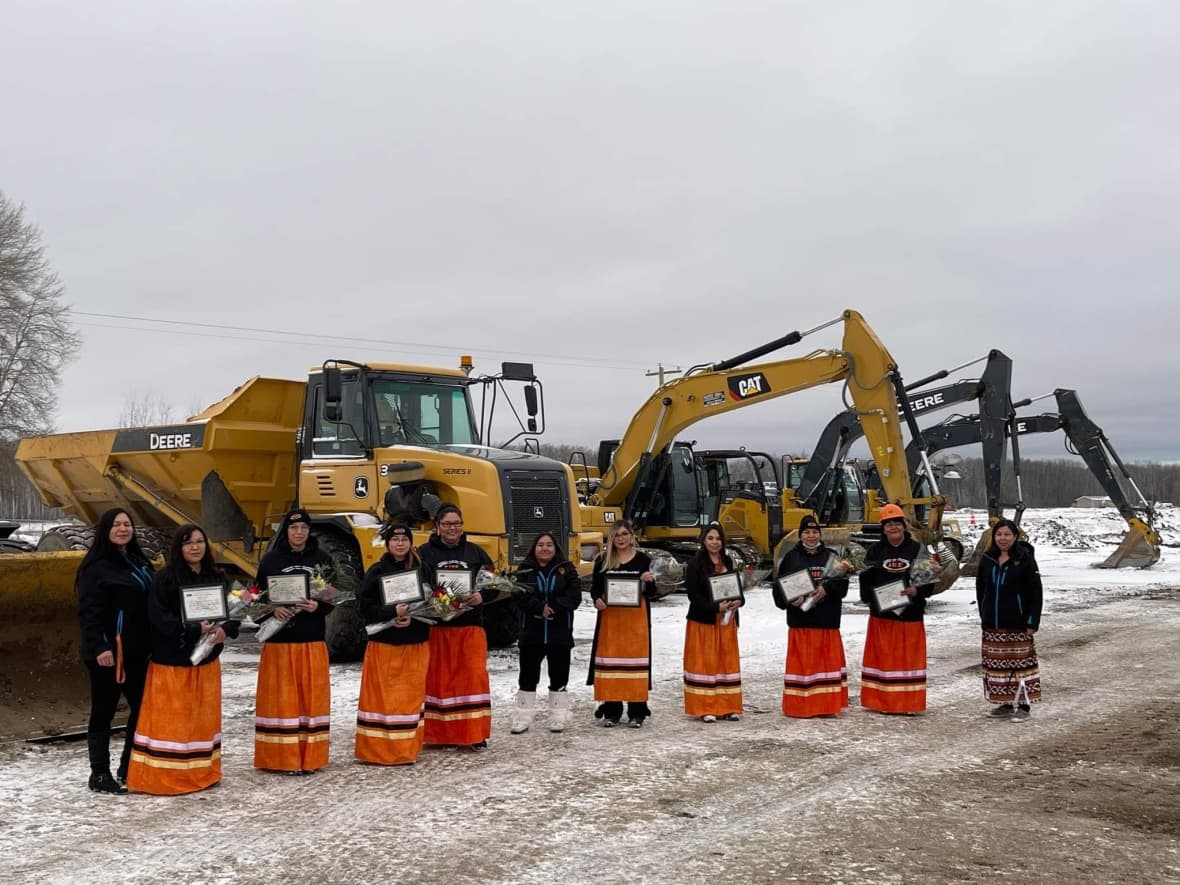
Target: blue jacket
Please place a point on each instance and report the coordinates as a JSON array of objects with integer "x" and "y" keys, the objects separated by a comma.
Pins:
[
  {"x": 1009, "y": 595},
  {"x": 558, "y": 586}
]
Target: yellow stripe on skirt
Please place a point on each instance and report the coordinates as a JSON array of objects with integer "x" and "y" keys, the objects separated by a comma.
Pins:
[
  {"x": 893, "y": 673},
  {"x": 293, "y": 707},
  {"x": 389, "y": 720},
  {"x": 177, "y": 745},
  {"x": 622, "y": 656},
  {"x": 458, "y": 693},
  {"x": 712, "y": 669},
  {"x": 815, "y": 680}
]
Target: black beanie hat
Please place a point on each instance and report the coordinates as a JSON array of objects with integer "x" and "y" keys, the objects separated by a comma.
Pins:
[
  {"x": 398, "y": 528},
  {"x": 808, "y": 522},
  {"x": 297, "y": 514}
]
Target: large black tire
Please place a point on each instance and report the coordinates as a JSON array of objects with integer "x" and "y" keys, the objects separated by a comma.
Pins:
[
  {"x": 345, "y": 635},
  {"x": 153, "y": 542},
  {"x": 501, "y": 622},
  {"x": 66, "y": 537}
]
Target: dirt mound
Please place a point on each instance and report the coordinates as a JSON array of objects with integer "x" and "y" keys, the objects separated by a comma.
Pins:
[{"x": 1055, "y": 533}]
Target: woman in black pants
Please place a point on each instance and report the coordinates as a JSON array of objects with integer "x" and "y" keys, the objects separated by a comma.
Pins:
[
  {"x": 548, "y": 630},
  {"x": 112, "y": 584}
]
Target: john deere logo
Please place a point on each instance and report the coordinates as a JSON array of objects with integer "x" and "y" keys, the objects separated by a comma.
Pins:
[
  {"x": 539, "y": 512},
  {"x": 742, "y": 387},
  {"x": 361, "y": 487}
]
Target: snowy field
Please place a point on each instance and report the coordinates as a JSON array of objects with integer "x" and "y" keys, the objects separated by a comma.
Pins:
[{"x": 860, "y": 798}]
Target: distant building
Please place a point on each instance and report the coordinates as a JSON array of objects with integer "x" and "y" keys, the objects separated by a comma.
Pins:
[{"x": 1093, "y": 501}]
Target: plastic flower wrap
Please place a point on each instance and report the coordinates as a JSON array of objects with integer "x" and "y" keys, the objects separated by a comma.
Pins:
[
  {"x": 753, "y": 573},
  {"x": 669, "y": 573},
  {"x": 926, "y": 569}
]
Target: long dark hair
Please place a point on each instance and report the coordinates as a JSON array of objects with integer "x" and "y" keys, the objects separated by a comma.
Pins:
[
  {"x": 102, "y": 548},
  {"x": 558, "y": 555},
  {"x": 701, "y": 557},
  {"x": 176, "y": 567},
  {"x": 992, "y": 549}
]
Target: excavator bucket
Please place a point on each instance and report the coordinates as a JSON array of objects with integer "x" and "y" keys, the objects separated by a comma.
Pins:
[
  {"x": 43, "y": 685},
  {"x": 971, "y": 567},
  {"x": 1140, "y": 548}
]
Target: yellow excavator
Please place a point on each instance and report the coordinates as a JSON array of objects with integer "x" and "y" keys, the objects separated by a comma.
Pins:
[
  {"x": 668, "y": 492},
  {"x": 354, "y": 444}
]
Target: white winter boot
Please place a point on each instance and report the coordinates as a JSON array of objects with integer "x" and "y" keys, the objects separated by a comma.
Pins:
[
  {"x": 522, "y": 714},
  {"x": 559, "y": 710}
]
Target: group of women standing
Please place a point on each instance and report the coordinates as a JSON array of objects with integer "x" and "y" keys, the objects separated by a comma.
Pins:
[{"x": 428, "y": 684}]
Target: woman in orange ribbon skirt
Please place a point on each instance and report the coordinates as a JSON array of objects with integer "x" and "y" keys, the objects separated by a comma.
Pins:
[
  {"x": 389, "y": 716},
  {"x": 712, "y": 662},
  {"x": 620, "y": 668},
  {"x": 292, "y": 714},
  {"x": 177, "y": 745},
  {"x": 815, "y": 681}
]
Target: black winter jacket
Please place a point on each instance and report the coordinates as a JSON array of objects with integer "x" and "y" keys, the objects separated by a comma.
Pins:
[
  {"x": 1009, "y": 595},
  {"x": 558, "y": 586},
  {"x": 173, "y": 640},
  {"x": 113, "y": 599},
  {"x": 373, "y": 612},
  {"x": 825, "y": 614},
  {"x": 305, "y": 626},
  {"x": 701, "y": 607},
  {"x": 889, "y": 563},
  {"x": 463, "y": 555}
]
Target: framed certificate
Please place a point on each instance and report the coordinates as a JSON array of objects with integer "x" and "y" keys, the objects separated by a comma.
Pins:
[
  {"x": 204, "y": 603},
  {"x": 402, "y": 587},
  {"x": 889, "y": 597},
  {"x": 288, "y": 589},
  {"x": 725, "y": 587},
  {"x": 623, "y": 591},
  {"x": 797, "y": 584},
  {"x": 457, "y": 579}
]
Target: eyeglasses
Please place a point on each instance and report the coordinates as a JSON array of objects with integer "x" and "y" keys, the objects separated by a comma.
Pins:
[{"x": 450, "y": 525}]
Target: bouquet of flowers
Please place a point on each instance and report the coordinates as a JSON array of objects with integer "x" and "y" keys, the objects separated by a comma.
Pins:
[
  {"x": 322, "y": 590},
  {"x": 242, "y": 602},
  {"x": 850, "y": 561},
  {"x": 926, "y": 569},
  {"x": 446, "y": 601}
]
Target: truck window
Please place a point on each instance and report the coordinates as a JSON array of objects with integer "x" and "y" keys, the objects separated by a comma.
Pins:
[
  {"x": 332, "y": 440},
  {"x": 422, "y": 413}
]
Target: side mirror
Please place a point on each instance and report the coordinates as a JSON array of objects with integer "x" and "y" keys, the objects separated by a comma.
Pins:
[
  {"x": 333, "y": 412},
  {"x": 333, "y": 386},
  {"x": 530, "y": 404},
  {"x": 532, "y": 425}
]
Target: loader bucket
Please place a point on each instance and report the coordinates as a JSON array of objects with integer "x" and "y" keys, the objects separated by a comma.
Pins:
[
  {"x": 1140, "y": 548},
  {"x": 43, "y": 685},
  {"x": 950, "y": 574},
  {"x": 971, "y": 566}
]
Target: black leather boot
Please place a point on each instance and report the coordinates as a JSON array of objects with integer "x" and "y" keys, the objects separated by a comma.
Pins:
[{"x": 105, "y": 783}]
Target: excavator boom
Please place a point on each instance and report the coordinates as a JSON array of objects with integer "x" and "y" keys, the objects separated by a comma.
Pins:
[{"x": 862, "y": 362}]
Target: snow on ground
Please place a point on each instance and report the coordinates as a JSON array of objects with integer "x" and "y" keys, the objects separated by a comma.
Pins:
[{"x": 674, "y": 801}]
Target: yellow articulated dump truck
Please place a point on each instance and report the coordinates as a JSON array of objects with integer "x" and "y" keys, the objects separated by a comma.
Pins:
[{"x": 354, "y": 444}]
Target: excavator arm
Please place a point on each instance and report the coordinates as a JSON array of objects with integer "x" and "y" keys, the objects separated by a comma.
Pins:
[
  {"x": 991, "y": 389},
  {"x": 862, "y": 362},
  {"x": 1140, "y": 547}
]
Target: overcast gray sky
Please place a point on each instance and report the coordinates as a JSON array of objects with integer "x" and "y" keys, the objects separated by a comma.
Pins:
[{"x": 602, "y": 187}]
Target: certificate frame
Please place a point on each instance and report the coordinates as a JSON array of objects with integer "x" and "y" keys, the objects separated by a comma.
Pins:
[
  {"x": 623, "y": 592},
  {"x": 205, "y": 602},
  {"x": 464, "y": 577},
  {"x": 402, "y": 587},
  {"x": 725, "y": 587},
  {"x": 288, "y": 589},
  {"x": 797, "y": 584},
  {"x": 888, "y": 597}
]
